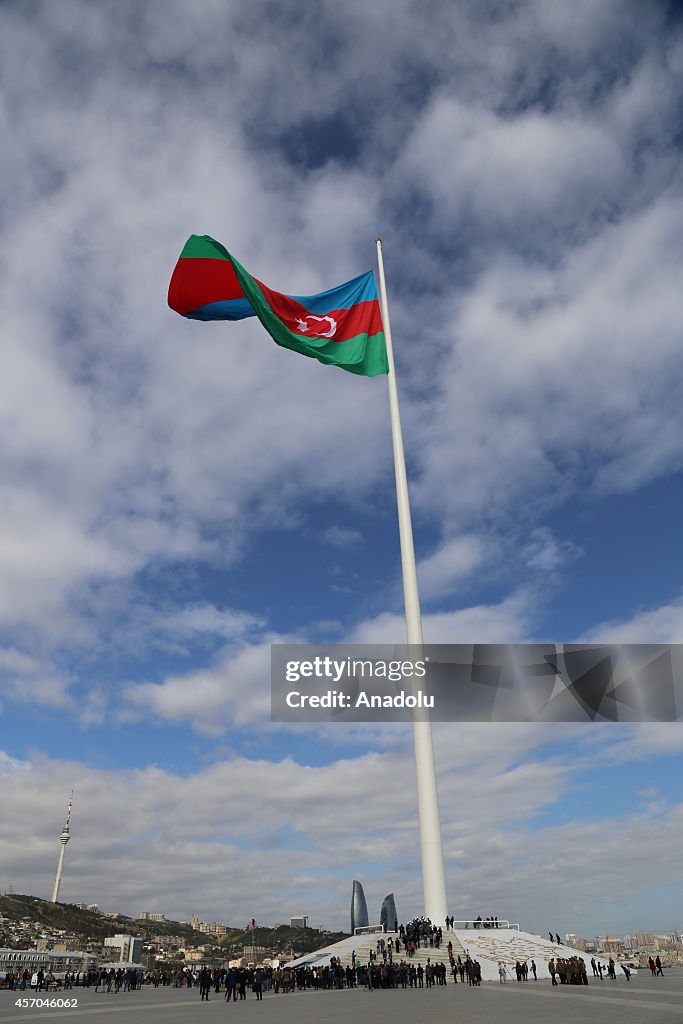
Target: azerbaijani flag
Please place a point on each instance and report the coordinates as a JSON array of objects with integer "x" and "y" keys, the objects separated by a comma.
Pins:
[{"x": 342, "y": 326}]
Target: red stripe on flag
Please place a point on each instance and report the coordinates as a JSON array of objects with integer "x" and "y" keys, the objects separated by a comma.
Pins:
[
  {"x": 363, "y": 318},
  {"x": 198, "y": 281},
  {"x": 284, "y": 306}
]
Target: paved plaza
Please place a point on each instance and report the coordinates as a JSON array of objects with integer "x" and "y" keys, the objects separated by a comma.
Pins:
[{"x": 645, "y": 1000}]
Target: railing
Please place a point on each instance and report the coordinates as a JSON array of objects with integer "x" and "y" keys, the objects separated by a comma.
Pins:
[
  {"x": 468, "y": 923},
  {"x": 484, "y": 925}
]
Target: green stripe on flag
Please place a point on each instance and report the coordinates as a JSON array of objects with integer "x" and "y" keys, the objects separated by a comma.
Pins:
[{"x": 204, "y": 247}]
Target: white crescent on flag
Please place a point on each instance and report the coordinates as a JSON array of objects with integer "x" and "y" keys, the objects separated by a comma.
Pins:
[{"x": 303, "y": 326}]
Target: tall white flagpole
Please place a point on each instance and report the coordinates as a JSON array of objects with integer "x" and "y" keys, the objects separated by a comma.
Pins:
[{"x": 433, "y": 876}]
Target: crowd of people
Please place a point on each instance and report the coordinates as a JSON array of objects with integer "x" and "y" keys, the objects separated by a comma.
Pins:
[
  {"x": 376, "y": 974},
  {"x": 117, "y": 979},
  {"x": 382, "y": 971},
  {"x": 102, "y": 980},
  {"x": 418, "y": 932},
  {"x": 570, "y": 970},
  {"x": 389, "y": 966}
]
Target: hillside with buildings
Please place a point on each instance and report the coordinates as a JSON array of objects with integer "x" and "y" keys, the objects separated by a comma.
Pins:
[
  {"x": 27, "y": 913},
  {"x": 70, "y": 930},
  {"x": 254, "y": 944},
  {"x": 29, "y": 923}
]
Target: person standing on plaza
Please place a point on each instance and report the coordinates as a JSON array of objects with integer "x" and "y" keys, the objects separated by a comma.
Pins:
[
  {"x": 204, "y": 983},
  {"x": 231, "y": 985}
]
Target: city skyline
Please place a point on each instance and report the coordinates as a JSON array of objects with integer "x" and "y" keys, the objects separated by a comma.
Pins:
[
  {"x": 175, "y": 496},
  {"x": 642, "y": 938}
]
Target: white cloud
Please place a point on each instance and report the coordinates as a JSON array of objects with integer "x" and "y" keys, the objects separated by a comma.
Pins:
[
  {"x": 45, "y": 551},
  {"x": 206, "y": 618},
  {"x": 561, "y": 379},
  {"x": 342, "y": 537},
  {"x": 507, "y": 169},
  {"x": 231, "y": 694},
  {"x": 454, "y": 560},
  {"x": 547, "y": 552},
  {"x": 26, "y": 679},
  {"x": 663, "y": 625},
  {"x": 508, "y": 621}
]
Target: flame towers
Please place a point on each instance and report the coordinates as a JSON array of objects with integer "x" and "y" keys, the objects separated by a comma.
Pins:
[
  {"x": 63, "y": 839},
  {"x": 359, "y": 908},
  {"x": 387, "y": 915}
]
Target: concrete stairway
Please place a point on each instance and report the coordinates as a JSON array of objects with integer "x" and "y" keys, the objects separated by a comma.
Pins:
[
  {"x": 488, "y": 946},
  {"x": 420, "y": 956},
  {"x": 491, "y": 946},
  {"x": 364, "y": 944}
]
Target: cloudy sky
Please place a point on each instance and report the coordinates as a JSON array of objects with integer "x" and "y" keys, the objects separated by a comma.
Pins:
[{"x": 175, "y": 495}]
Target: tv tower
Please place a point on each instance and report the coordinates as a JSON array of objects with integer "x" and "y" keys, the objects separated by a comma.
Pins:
[{"x": 63, "y": 839}]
